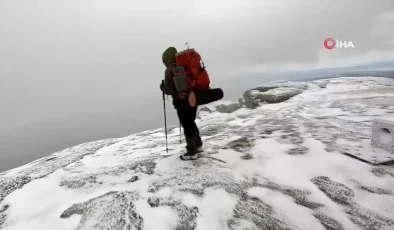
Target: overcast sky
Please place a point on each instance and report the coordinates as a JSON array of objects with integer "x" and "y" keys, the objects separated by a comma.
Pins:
[{"x": 79, "y": 70}]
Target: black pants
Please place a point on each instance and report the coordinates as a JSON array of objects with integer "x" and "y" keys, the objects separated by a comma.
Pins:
[{"x": 187, "y": 118}]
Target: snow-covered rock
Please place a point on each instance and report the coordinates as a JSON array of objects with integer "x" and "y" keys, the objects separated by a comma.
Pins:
[
  {"x": 321, "y": 83},
  {"x": 274, "y": 92},
  {"x": 228, "y": 108},
  {"x": 279, "y": 166},
  {"x": 219, "y": 106}
]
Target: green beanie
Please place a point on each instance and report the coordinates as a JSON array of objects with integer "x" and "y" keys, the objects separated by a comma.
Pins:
[{"x": 169, "y": 55}]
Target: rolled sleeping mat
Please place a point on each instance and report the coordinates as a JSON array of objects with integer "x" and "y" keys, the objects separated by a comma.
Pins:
[{"x": 204, "y": 97}]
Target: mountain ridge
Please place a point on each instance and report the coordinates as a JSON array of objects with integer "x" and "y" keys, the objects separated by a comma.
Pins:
[{"x": 276, "y": 165}]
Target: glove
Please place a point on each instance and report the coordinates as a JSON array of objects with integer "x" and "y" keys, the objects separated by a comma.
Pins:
[{"x": 162, "y": 86}]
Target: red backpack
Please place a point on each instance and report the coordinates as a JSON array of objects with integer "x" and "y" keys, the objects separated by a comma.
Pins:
[{"x": 189, "y": 73}]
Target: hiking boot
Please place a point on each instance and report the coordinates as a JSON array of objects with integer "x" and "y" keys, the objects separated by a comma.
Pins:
[
  {"x": 191, "y": 150},
  {"x": 189, "y": 156}
]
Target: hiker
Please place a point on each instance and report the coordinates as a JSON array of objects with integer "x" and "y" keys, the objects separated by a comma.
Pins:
[
  {"x": 187, "y": 81},
  {"x": 186, "y": 114}
]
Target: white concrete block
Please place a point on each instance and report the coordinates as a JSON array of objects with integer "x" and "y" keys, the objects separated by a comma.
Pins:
[{"x": 383, "y": 134}]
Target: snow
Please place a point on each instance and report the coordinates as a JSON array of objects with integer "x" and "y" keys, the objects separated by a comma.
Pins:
[
  {"x": 298, "y": 215},
  {"x": 287, "y": 84},
  {"x": 160, "y": 218},
  {"x": 165, "y": 192},
  {"x": 190, "y": 200},
  {"x": 39, "y": 205},
  {"x": 297, "y": 171},
  {"x": 277, "y": 92},
  {"x": 215, "y": 210},
  {"x": 279, "y": 166}
]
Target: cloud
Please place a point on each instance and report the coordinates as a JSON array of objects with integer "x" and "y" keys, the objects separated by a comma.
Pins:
[
  {"x": 93, "y": 59},
  {"x": 295, "y": 32},
  {"x": 230, "y": 34},
  {"x": 325, "y": 61},
  {"x": 83, "y": 52}
]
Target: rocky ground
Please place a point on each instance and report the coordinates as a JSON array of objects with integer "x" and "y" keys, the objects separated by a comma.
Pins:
[{"x": 276, "y": 166}]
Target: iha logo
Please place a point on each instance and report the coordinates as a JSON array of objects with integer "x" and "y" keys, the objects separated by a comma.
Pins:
[{"x": 330, "y": 44}]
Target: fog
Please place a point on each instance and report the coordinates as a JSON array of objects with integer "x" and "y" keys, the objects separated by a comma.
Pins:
[{"x": 77, "y": 71}]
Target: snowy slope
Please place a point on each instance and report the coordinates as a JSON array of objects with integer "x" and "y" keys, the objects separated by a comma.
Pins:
[{"x": 279, "y": 166}]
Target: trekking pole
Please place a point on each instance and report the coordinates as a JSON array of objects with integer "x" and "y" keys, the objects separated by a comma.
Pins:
[
  {"x": 180, "y": 133},
  {"x": 165, "y": 119}
]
